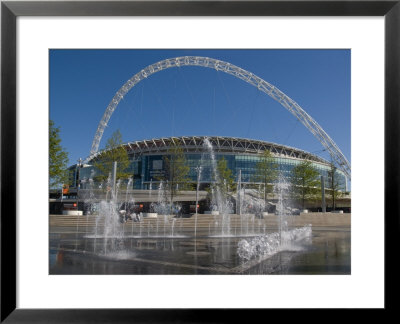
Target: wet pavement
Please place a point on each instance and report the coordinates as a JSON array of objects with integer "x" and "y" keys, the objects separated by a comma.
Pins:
[{"x": 327, "y": 252}]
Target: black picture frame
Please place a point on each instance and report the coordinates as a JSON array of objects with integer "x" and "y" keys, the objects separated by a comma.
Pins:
[{"x": 10, "y": 10}]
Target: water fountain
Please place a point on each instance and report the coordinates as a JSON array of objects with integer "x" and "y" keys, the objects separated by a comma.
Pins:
[
  {"x": 198, "y": 169},
  {"x": 266, "y": 245},
  {"x": 263, "y": 246},
  {"x": 219, "y": 203},
  {"x": 162, "y": 208},
  {"x": 245, "y": 234}
]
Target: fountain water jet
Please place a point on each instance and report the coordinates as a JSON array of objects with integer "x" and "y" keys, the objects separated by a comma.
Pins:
[
  {"x": 219, "y": 203},
  {"x": 266, "y": 245}
]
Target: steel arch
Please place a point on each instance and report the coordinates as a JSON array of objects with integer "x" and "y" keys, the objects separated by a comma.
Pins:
[{"x": 240, "y": 73}]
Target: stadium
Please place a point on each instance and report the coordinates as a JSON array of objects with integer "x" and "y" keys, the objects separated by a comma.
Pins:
[
  {"x": 147, "y": 165},
  {"x": 147, "y": 158}
]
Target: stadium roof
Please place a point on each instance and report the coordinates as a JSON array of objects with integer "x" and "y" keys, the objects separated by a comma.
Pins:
[{"x": 221, "y": 144}]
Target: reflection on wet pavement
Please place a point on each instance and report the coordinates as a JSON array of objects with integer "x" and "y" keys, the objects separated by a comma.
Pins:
[{"x": 327, "y": 253}]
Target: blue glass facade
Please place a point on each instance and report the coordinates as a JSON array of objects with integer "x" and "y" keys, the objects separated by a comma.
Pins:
[
  {"x": 147, "y": 168},
  {"x": 247, "y": 164},
  {"x": 242, "y": 155}
]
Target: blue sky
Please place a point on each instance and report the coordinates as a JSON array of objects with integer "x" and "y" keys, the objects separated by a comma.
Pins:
[{"x": 200, "y": 101}]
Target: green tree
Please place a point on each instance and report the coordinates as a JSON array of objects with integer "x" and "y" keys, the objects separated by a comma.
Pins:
[
  {"x": 305, "y": 182},
  {"x": 266, "y": 174},
  {"x": 176, "y": 171},
  {"x": 114, "y": 151},
  {"x": 225, "y": 181},
  {"x": 58, "y": 158},
  {"x": 335, "y": 189}
]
